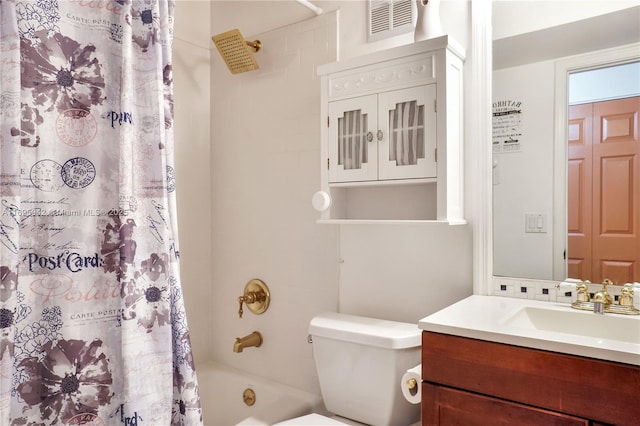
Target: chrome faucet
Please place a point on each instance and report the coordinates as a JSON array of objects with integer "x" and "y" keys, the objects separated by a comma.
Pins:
[{"x": 253, "y": 339}]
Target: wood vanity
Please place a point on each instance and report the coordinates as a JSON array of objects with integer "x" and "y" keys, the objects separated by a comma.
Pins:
[{"x": 468, "y": 381}]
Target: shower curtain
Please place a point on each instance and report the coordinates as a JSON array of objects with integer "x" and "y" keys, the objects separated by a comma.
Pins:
[{"x": 92, "y": 321}]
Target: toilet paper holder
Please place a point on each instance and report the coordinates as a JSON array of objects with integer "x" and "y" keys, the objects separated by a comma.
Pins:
[
  {"x": 256, "y": 296},
  {"x": 411, "y": 383},
  {"x": 412, "y": 386}
]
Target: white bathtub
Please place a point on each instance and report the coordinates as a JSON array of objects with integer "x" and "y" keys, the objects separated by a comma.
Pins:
[{"x": 221, "y": 390}]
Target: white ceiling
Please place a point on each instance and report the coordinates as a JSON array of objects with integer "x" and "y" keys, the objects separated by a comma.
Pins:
[
  {"x": 511, "y": 17},
  {"x": 257, "y": 16}
]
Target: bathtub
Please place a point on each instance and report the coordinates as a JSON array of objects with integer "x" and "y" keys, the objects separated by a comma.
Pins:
[{"x": 221, "y": 396}]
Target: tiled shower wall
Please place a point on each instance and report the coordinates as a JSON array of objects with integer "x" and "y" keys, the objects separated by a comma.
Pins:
[{"x": 264, "y": 168}]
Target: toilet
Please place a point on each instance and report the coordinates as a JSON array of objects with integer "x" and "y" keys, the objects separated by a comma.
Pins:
[{"x": 360, "y": 362}]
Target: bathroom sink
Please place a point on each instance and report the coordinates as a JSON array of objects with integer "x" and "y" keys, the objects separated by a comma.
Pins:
[
  {"x": 541, "y": 325},
  {"x": 570, "y": 321}
]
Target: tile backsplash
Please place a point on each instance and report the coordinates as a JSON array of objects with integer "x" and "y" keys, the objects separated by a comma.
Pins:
[{"x": 545, "y": 291}]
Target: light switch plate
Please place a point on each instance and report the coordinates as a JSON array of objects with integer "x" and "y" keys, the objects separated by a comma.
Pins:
[{"x": 535, "y": 223}]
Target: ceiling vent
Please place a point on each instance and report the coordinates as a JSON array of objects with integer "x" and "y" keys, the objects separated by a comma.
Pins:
[{"x": 388, "y": 18}]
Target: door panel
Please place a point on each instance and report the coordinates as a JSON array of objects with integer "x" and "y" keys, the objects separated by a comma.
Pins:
[
  {"x": 616, "y": 180},
  {"x": 604, "y": 191},
  {"x": 579, "y": 200}
]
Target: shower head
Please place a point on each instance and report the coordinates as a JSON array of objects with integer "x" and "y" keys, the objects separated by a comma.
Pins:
[{"x": 236, "y": 51}]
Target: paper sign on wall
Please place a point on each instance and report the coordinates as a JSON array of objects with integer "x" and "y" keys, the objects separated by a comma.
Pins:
[{"x": 507, "y": 126}]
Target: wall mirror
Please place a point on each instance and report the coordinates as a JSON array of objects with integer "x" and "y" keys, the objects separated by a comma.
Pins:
[{"x": 546, "y": 56}]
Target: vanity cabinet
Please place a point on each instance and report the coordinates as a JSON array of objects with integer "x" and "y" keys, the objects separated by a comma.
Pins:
[
  {"x": 391, "y": 134},
  {"x": 475, "y": 382}
]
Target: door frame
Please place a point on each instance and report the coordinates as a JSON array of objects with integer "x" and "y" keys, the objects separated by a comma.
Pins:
[{"x": 564, "y": 67}]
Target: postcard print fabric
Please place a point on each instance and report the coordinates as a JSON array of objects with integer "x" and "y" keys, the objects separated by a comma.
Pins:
[{"x": 92, "y": 322}]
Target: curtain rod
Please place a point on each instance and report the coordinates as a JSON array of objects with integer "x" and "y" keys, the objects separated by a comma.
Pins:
[{"x": 317, "y": 10}]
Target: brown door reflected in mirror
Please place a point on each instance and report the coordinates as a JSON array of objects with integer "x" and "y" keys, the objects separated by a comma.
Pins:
[{"x": 603, "y": 197}]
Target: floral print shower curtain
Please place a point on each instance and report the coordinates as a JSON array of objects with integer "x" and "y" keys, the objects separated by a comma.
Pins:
[{"x": 92, "y": 321}]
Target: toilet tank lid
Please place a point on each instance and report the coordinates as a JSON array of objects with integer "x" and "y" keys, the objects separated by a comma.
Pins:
[{"x": 367, "y": 331}]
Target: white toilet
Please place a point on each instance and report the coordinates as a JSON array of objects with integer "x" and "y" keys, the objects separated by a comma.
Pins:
[{"x": 360, "y": 362}]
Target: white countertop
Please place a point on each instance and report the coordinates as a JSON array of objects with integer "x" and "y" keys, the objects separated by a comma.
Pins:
[{"x": 498, "y": 319}]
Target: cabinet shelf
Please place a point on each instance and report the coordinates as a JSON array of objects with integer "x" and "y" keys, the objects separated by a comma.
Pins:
[{"x": 390, "y": 182}]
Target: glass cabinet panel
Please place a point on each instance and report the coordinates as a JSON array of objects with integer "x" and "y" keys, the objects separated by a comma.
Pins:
[
  {"x": 407, "y": 148},
  {"x": 406, "y": 133},
  {"x": 353, "y": 155},
  {"x": 352, "y": 142}
]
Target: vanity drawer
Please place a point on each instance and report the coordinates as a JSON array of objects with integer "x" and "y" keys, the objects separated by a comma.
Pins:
[
  {"x": 449, "y": 406},
  {"x": 584, "y": 387}
]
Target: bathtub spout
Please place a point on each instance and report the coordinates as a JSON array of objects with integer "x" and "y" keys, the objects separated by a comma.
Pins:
[{"x": 253, "y": 339}]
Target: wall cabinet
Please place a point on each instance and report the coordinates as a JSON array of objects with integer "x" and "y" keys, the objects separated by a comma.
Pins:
[
  {"x": 391, "y": 137},
  {"x": 474, "y": 382}
]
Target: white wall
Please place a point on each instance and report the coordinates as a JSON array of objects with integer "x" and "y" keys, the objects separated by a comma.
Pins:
[
  {"x": 258, "y": 16},
  {"x": 191, "y": 72},
  {"x": 524, "y": 179},
  {"x": 403, "y": 272},
  {"x": 248, "y": 164}
]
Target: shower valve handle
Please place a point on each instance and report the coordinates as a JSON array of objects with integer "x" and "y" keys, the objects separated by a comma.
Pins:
[
  {"x": 256, "y": 296},
  {"x": 248, "y": 297},
  {"x": 241, "y": 302}
]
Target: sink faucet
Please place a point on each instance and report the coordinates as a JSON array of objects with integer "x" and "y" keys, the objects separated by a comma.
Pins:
[
  {"x": 602, "y": 302},
  {"x": 253, "y": 339},
  {"x": 602, "y": 299}
]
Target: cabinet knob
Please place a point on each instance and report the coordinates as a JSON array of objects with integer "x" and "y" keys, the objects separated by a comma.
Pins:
[
  {"x": 380, "y": 135},
  {"x": 369, "y": 136},
  {"x": 321, "y": 201}
]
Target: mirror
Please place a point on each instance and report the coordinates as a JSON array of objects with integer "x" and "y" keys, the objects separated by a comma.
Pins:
[{"x": 540, "y": 51}]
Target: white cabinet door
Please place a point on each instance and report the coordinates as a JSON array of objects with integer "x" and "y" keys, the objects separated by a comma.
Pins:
[
  {"x": 352, "y": 142},
  {"x": 407, "y": 119},
  {"x": 387, "y": 136}
]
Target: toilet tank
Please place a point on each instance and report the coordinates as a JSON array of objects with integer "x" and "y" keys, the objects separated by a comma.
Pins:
[{"x": 360, "y": 362}]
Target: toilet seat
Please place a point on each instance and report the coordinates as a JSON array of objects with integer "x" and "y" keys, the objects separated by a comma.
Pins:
[{"x": 311, "y": 420}]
